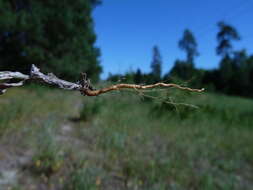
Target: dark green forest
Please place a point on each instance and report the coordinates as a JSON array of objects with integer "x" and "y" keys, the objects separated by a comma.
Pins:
[{"x": 57, "y": 36}]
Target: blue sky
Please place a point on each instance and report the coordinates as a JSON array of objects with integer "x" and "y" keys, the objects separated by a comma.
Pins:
[{"x": 128, "y": 29}]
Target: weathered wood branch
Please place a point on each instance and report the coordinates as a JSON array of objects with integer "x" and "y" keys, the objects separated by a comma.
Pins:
[
  {"x": 83, "y": 86},
  {"x": 52, "y": 80}
]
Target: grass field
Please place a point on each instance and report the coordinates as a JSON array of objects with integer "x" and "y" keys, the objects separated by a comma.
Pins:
[{"x": 52, "y": 139}]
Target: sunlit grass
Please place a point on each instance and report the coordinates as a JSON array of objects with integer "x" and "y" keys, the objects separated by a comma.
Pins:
[{"x": 124, "y": 141}]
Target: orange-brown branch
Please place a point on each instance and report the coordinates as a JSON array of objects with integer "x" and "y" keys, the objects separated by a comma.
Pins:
[{"x": 139, "y": 87}]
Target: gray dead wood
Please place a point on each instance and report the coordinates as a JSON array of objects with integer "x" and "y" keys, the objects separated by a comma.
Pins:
[{"x": 37, "y": 76}]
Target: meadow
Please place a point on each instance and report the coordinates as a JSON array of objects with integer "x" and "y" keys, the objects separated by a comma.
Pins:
[{"x": 54, "y": 139}]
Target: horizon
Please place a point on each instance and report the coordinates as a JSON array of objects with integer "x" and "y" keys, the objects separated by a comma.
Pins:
[{"x": 126, "y": 40}]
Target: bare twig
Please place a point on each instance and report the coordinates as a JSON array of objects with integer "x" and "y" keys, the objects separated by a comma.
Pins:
[
  {"x": 138, "y": 87},
  {"x": 84, "y": 86}
]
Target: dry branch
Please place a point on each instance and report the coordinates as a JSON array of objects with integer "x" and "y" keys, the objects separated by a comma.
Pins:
[
  {"x": 83, "y": 86},
  {"x": 137, "y": 87}
]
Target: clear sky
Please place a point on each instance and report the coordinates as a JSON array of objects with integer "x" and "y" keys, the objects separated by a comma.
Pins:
[{"x": 128, "y": 29}]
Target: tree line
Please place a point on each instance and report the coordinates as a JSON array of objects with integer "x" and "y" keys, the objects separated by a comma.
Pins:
[
  {"x": 234, "y": 76},
  {"x": 57, "y": 36}
]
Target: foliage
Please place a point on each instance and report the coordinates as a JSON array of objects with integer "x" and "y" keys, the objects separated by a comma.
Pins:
[
  {"x": 182, "y": 70},
  {"x": 138, "y": 78},
  {"x": 185, "y": 70},
  {"x": 189, "y": 45},
  {"x": 57, "y": 36},
  {"x": 114, "y": 77},
  {"x": 226, "y": 34},
  {"x": 156, "y": 64}
]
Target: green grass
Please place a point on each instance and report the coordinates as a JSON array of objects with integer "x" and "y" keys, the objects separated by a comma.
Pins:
[
  {"x": 124, "y": 141},
  {"x": 47, "y": 158}
]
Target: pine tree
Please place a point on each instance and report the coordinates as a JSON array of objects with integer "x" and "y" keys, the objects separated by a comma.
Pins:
[
  {"x": 57, "y": 36},
  {"x": 156, "y": 64},
  {"x": 227, "y": 69},
  {"x": 184, "y": 69},
  {"x": 225, "y": 35},
  {"x": 138, "y": 76},
  {"x": 189, "y": 45}
]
